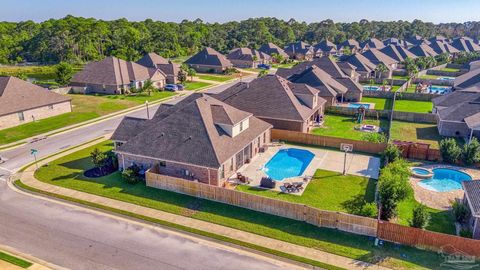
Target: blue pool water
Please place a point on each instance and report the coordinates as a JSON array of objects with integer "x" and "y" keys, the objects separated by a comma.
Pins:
[
  {"x": 445, "y": 180},
  {"x": 446, "y": 78},
  {"x": 371, "y": 88},
  {"x": 439, "y": 89},
  {"x": 288, "y": 163},
  {"x": 358, "y": 105},
  {"x": 420, "y": 171}
]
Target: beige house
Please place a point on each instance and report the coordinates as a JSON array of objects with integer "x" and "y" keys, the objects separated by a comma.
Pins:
[
  {"x": 247, "y": 58},
  {"x": 22, "y": 102},
  {"x": 115, "y": 76},
  {"x": 198, "y": 139},
  {"x": 170, "y": 69}
]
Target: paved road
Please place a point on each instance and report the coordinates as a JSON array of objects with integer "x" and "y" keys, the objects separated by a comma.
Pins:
[{"x": 78, "y": 238}]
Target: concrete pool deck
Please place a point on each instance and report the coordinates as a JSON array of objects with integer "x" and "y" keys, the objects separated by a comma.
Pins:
[
  {"x": 435, "y": 199},
  {"x": 357, "y": 164}
]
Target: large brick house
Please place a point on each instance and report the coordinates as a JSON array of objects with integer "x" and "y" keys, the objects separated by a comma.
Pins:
[
  {"x": 22, "y": 102},
  {"x": 153, "y": 60},
  {"x": 247, "y": 58},
  {"x": 209, "y": 60},
  {"x": 199, "y": 138},
  {"x": 326, "y": 48},
  {"x": 300, "y": 51},
  {"x": 472, "y": 201},
  {"x": 113, "y": 75},
  {"x": 398, "y": 53},
  {"x": 272, "y": 49},
  {"x": 423, "y": 50},
  {"x": 285, "y": 105},
  {"x": 378, "y": 57}
]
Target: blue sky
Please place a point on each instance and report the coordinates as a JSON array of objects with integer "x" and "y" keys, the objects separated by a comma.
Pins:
[{"x": 228, "y": 10}]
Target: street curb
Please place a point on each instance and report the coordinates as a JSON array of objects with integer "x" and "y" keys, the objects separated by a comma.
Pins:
[{"x": 32, "y": 259}]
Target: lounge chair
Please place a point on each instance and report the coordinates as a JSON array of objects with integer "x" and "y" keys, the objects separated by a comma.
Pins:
[
  {"x": 298, "y": 186},
  {"x": 289, "y": 187}
]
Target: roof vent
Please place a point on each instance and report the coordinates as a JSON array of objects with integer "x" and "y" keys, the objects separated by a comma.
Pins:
[{"x": 248, "y": 84}]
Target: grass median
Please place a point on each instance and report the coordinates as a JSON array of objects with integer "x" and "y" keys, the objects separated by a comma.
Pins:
[
  {"x": 14, "y": 260},
  {"x": 68, "y": 172}
]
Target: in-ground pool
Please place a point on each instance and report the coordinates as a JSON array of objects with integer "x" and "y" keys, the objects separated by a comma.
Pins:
[
  {"x": 444, "y": 180},
  {"x": 358, "y": 105},
  {"x": 288, "y": 163},
  {"x": 421, "y": 171},
  {"x": 439, "y": 89},
  {"x": 446, "y": 78},
  {"x": 371, "y": 88}
]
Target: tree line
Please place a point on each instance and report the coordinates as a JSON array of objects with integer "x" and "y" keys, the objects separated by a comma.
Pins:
[{"x": 79, "y": 40}]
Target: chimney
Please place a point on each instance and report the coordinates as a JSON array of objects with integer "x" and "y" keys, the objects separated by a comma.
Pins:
[{"x": 248, "y": 85}]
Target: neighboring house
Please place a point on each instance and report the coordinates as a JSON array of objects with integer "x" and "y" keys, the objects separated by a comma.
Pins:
[
  {"x": 438, "y": 39},
  {"x": 198, "y": 139},
  {"x": 467, "y": 80},
  {"x": 275, "y": 100},
  {"x": 398, "y": 53},
  {"x": 458, "y": 113},
  {"x": 472, "y": 200},
  {"x": 153, "y": 60},
  {"x": 364, "y": 67},
  {"x": 248, "y": 58},
  {"x": 397, "y": 42},
  {"x": 351, "y": 44},
  {"x": 440, "y": 47},
  {"x": 342, "y": 72},
  {"x": 416, "y": 40},
  {"x": 300, "y": 51},
  {"x": 22, "y": 102},
  {"x": 272, "y": 49},
  {"x": 326, "y": 48},
  {"x": 473, "y": 65},
  {"x": 209, "y": 60},
  {"x": 423, "y": 50},
  {"x": 372, "y": 43},
  {"x": 115, "y": 76},
  {"x": 465, "y": 44},
  {"x": 377, "y": 57}
]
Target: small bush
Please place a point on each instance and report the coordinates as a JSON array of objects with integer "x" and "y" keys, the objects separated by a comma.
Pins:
[
  {"x": 461, "y": 212},
  {"x": 471, "y": 152},
  {"x": 466, "y": 233},
  {"x": 451, "y": 152},
  {"x": 375, "y": 137},
  {"x": 391, "y": 154},
  {"x": 131, "y": 174},
  {"x": 421, "y": 217},
  {"x": 393, "y": 187},
  {"x": 369, "y": 210}
]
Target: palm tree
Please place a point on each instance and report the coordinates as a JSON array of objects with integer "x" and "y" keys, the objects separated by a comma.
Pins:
[
  {"x": 191, "y": 72},
  {"x": 381, "y": 68},
  {"x": 148, "y": 87}
]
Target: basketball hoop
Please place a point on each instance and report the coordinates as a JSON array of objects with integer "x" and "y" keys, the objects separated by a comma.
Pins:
[{"x": 346, "y": 147}]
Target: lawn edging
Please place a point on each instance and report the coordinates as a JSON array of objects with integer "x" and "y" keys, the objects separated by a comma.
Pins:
[
  {"x": 15, "y": 260},
  {"x": 176, "y": 227}
]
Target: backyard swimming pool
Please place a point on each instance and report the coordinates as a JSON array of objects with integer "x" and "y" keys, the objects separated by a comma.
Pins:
[
  {"x": 358, "y": 105},
  {"x": 444, "y": 180},
  {"x": 439, "y": 89},
  {"x": 286, "y": 163}
]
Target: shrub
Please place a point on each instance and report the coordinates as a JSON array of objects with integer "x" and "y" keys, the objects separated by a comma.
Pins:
[
  {"x": 466, "y": 233},
  {"x": 450, "y": 150},
  {"x": 375, "y": 137},
  {"x": 471, "y": 152},
  {"x": 421, "y": 217},
  {"x": 99, "y": 158},
  {"x": 64, "y": 73},
  {"x": 369, "y": 210},
  {"x": 131, "y": 174},
  {"x": 461, "y": 212},
  {"x": 391, "y": 154},
  {"x": 393, "y": 187}
]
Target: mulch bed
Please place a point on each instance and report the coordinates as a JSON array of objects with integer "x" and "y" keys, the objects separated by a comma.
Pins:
[{"x": 99, "y": 172}]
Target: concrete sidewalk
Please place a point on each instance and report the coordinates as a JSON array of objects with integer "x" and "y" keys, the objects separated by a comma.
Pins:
[{"x": 27, "y": 177}]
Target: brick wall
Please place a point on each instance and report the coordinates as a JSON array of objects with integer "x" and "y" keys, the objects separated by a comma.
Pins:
[{"x": 13, "y": 119}]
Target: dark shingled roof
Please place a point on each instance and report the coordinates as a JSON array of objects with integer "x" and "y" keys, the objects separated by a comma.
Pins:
[
  {"x": 271, "y": 48},
  {"x": 376, "y": 56},
  {"x": 459, "y": 105},
  {"x": 351, "y": 43},
  {"x": 17, "y": 95},
  {"x": 472, "y": 191},
  {"x": 209, "y": 57},
  {"x": 372, "y": 43},
  {"x": 246, "y": 54},
  {"x": 442, "y": 47},
  {"x": 270, "y": 97},
  {"x": 423, "y": 50},
  {"x": 325, "y": 46},
  {"x": 152, "y": 60},
  {"x": 316, "y": 77},
  {"x": 298, "y": 47},
  {"x": 187, "y": 133},
  {"x": 468, "y": 79},
  {"x": 397, "y": 53},
  {"x": 128, "y": 128},
  {"x": 361, "y": 62},
  {"x": 397, "y": 42},
  {"x": 465, "y": 44}
]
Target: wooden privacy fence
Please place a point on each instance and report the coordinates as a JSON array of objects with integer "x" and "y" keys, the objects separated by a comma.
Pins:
[
  {"x": 335, "y": 220},
  {"x": 320, "y": 218},
  {"x": 305, "y": 138},
  {"x": 427, "y": 239}
]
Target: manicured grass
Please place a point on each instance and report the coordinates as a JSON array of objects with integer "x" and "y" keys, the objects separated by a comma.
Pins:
[
  {"x": 380, "y": 103},
  {"x": 415, "y": 132},
  {"x": 180, "y": 59},
  {"x": 215, "y": 78},
  {"x": 196, "y": 85},
  {"x": 450, "y": 69},
  {"x": 327, "y": 191},
  {"x": 397, "y": 77},
  {"x": 34, "y": 72},
  {"x": 343, "y": 127},
  {"x": 286, "y": 65},
  {"x": 415, "y": 106},
  {"x": 84, "y": 108},
  {"x": 441, "y": 220},
  {"x": 432, "y": 77},
  {"x": 14, "y": 260},
  {"x": 68, "y": 172}
]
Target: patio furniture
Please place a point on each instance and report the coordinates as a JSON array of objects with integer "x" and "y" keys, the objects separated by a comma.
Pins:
[
  {"x": 289, "y": 187},
  {"x": 298, "y": 186},
  {"x": 242, "y": 179}
]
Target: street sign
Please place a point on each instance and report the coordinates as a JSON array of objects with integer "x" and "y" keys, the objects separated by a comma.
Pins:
[
  {"x": 33, "y": 151},
  {"x": 346, "y": 147}
]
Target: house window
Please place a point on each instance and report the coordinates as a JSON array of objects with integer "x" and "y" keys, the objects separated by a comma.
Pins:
[
  {"x": 222, "y": 171},
  {"x": 231, "y": 164},
  {"x": 264, "y": 137},
  {"x": 241, "y": 126},
  {"x": 21, "y": 116},
  {"x": 50, "y": 107},
  {"x": 163, "y": 164}
]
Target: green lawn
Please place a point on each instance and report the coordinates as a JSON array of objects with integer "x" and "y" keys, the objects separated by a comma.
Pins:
[
  {"x": 450, "y": 69},
  {"x": 36, "y": 73},
  {"x": 215, "y": 78},
  {"x": 196, "y": 85},
  {"x": 343, "y": 127},
  {"x": 286, "y": 65},
  {"x": 415, "y": 106},
  {"x": 327, "y": 191},
  {"x": 68, "y": 172},
  {"x": 397, "y": 77},
  {"x": 416, "y": 132},
  {"x": 180, "y": 59},
  {"x": 432, "y": 77},
  {"x": 84, "y": 107},
  {"x": 14, "y": 260},
  {"x": 380, "y": 103}
]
